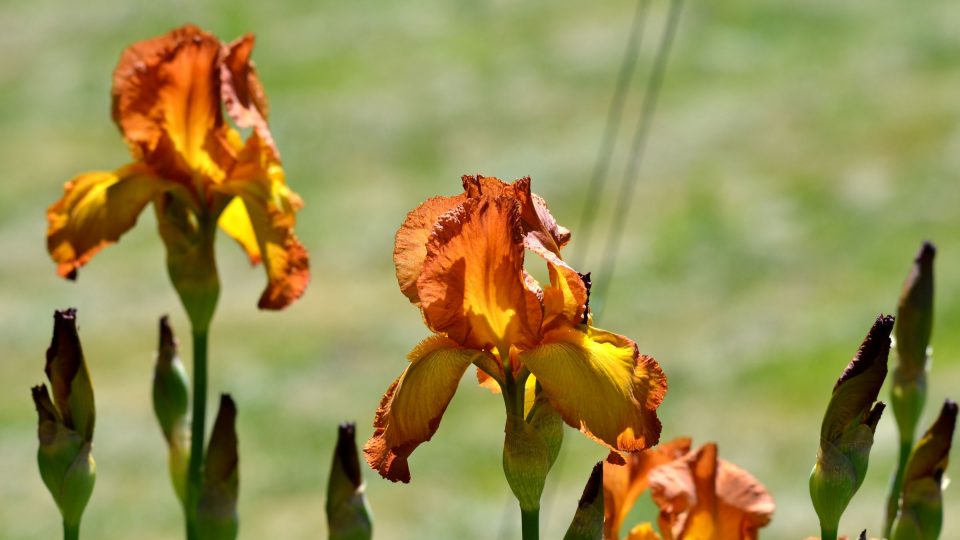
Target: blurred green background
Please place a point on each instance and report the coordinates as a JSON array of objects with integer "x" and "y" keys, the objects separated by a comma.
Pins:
[{"x": 801, "y": 152}]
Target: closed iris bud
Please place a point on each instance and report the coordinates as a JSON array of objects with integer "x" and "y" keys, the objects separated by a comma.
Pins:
[
  {"x": 587, "y": 522},
  {"x": 65, "y": 422},
  {"x": 348, "y": 515},
  {"x": 921, "y": 505},
  {"x": 846, "y": 435},
  {"x": 171, "y": 404},
  {"x": 217, "y": 512},
  {"x": 913, "y": 330}
]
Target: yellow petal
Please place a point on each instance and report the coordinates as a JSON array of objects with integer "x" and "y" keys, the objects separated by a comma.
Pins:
[
  {"x": 271, "y": 207},
  {"x": 601, "y": 385},
  {"x": 96, "y": 209},
  {"x": 703, "y": 498},
  {"x": 412, "y": 407},
  {"x": 623, "y": 484},
  {"x": 644, "y": 531},
  {"x": 410, "y": 247},
  {"x": 472, "y": 284},
  {"x": 235, "y": 221},
  {"x": 166, "y": 100}
]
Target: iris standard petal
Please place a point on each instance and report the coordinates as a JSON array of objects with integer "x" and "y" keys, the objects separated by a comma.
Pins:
[
  {"x": 166, "y": 101},
  {"x": 601, "y": 385},
  {"x": 412, "y": 407},
  {"x": 96, "y": 209},
  {"x": 243, "y": 96},
  {"x": 258, "y": 180},
  {"x": 472, "y": 284},
  {"x": 410, "y": 247}
]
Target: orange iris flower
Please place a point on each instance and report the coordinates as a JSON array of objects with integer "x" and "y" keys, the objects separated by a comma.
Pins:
[
  {"x": 169, "y": 95},
  {"x": 461, "y": 260},
  {"x": 700, "y": 496}
]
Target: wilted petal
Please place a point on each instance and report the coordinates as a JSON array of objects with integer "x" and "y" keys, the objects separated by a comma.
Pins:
[
  {"x": 623, "y": 484},
  {"x": 96, "y": 209},
  {"x": 601, "y": 385},
  {"x": 703, "y": 498},
  {"x": 258, "y": 180},
  {"x": 412, "y": 407},
  {"x": 243, "y": 95},
  {"x": 166, "y": 100},
  {"x": 472, "y": 285},
  {"x": 410, "y": 248},
  {"x": 69, "y": 379}
]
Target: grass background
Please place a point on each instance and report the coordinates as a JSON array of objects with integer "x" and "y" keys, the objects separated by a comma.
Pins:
[{"x": 801, "y": 152}]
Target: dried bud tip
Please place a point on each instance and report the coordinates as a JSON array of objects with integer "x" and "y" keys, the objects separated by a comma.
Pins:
[
  {"x": 875, "y": 347},
  {"x": 167, "y": 339},
  {"x": 926, "y": 254},
  {"x": 347, "y": 452},
  {"x": 593, "y": 488}
]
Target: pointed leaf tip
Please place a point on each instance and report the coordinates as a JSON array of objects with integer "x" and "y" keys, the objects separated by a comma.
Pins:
[{"x": 347, "y": 452}]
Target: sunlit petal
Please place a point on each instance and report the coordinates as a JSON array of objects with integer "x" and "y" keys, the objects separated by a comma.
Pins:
[
  {"x": 643, "y": 531},
  {"x": 410, "y": 248},
  {"x": 472, "y": 284},
  {"x": 166, "y": 100},
  {"x": 243, "y": 95},
  {"x": 623, "y": 484},
  {"x": 96, "y": 209},
  {"x": 412, "y": 407},
  {"x": 703, "y": 498},
  {"x": 601, "y": 385},
  {"x": 258, "y": 180},
  {"x": 235, "y": 221}
]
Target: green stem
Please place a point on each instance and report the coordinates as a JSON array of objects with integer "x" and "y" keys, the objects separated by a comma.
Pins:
[
  {"x": 893, "y": 499},
  {"x": 197, "y": 433},
  {"x": 828, "y": 534},
  {"x": 71, "y": 532},
  {"x": 530, "y": 524}
]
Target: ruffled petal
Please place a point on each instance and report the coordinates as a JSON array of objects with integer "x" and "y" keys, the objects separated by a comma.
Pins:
[
  {"x": 166, "y": 101},
  {"x": 243, "y": 95},
  {"x": 412, "y": 407},
  {"x": 601, "y": 385},
  {"x": 623, "y": 484},
  {"x": 703, "y": 498},
  {"x": 258, "y": 180},
  {"x": 472, "y": 284},
  {"x": 96, "y": 209},
  {"x": 410, "y": 248}
]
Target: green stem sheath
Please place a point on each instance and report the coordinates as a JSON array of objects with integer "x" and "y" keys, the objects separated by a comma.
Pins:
[
  {"x": 530, "y": 524},
  {"x": 71, "y": 532},
  {"x": 198, "y": 429},
  {"x": 896, "y": 486},
  {"x": 828, "y": 535}
]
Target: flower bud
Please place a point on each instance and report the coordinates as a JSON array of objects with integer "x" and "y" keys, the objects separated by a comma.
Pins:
[
  {"x": 217, "y": 511},
  {"x": 921, "y": 505},
  {"x": 348, "y": 515},
  {"x": 914, "y": 325},
  {"x": 587, "y": 522},
  {"x": 65, "y": 423},
  {"x": 846, "y": 435},
  {"x": 526, "y": 461},
  {"x": 171, "y": 404}
]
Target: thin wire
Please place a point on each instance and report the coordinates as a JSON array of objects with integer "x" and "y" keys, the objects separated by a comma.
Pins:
[
  {"x": 598, "y": 179},
  {"x": 601, "y": 282}
]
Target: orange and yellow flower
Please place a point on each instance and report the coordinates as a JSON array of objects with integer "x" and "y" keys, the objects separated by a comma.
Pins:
[
  {"x": 700, "y": 496},
  {"x": 461, "y": 260},
  {"x": 169, "y": 96}
]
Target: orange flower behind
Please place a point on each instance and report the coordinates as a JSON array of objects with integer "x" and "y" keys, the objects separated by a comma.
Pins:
[
  {"x": 461, "y": 260},
  {"x": 169, "y": 94}
]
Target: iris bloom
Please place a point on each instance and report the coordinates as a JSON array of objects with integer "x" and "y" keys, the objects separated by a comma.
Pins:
[
  {"x": 461, "y": 260},
  {"x": 169, "y": 96},
  {"x": 700, "y": 496}
]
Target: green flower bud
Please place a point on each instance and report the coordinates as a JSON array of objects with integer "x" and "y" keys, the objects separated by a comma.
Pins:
[
  {"x": 587, "y": 522},
  {"x": 921, "y": 505},
  {"x": 171, "y": 405},
  {"x": 846, "y": 435},
  {"x": 217, "y": 511},
  {"x": 348, "y": 515},
  {"x": 66, "y": 422},
  {"x": 914, "y": 326}
]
